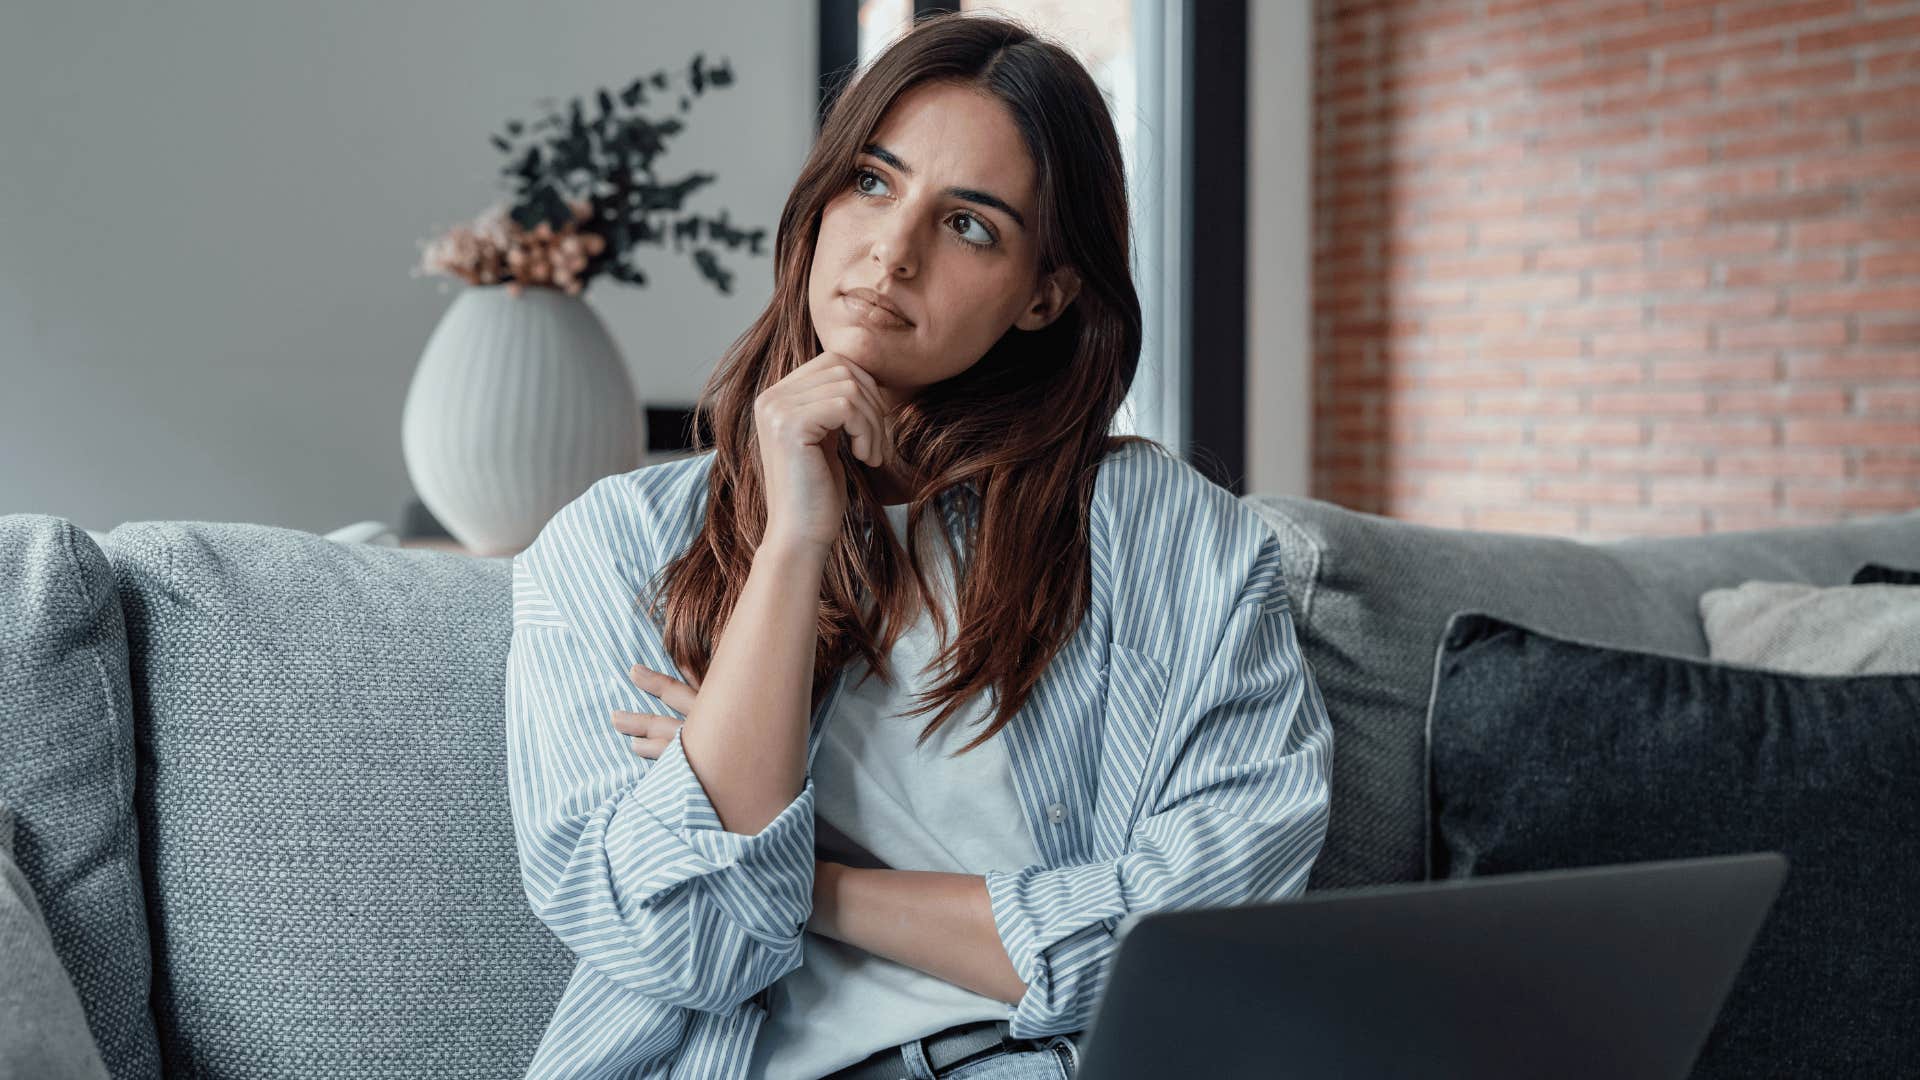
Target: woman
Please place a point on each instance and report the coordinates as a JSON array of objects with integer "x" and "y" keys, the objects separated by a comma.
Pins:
[{"x": 767, "y": 866}]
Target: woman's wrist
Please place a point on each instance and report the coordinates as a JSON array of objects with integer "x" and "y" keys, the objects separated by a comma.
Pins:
[
  {"x": 827, "y": 879},
  {"x": 792, "y": 549}
]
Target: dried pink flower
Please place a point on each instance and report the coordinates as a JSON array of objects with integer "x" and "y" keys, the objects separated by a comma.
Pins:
[{"x": 493, "y": 249}]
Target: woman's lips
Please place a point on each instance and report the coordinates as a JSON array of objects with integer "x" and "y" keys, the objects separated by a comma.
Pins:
[{"x": 873, "y": 315}]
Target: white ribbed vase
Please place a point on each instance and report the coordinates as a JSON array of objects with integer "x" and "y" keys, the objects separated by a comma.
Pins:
[{"x": 518, "y": 405}]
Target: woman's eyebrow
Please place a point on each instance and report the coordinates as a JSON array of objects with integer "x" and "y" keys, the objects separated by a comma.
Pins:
[{"x": 968, "y": 194}]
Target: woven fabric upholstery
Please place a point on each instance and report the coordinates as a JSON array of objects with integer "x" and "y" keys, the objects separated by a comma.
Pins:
[
  {"x": 43, "y": 1026},
  {"x": 67, "y": 775},
  {"x": 1551, "y": 753},
  {"x": 1372, "y": 597},
  {"x": 1838, "y": 630},
  {"x": 330, "y": 862}
]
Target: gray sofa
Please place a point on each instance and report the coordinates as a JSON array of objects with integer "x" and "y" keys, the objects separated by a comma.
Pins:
[{"x": 258, "y": 789}]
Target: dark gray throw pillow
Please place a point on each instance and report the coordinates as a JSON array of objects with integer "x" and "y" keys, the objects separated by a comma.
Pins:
[
  {"x": 1548, "y": 752},
  {"x": 1879, "y": 574}
]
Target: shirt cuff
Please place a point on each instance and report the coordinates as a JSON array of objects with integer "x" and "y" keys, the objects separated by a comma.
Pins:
[
  {"x": 666, "y": 833},
  {"x": 1035, "y": 909}
]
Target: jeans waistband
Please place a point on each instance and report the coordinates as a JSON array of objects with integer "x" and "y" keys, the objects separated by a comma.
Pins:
[{"x": 943, "y": 1050}]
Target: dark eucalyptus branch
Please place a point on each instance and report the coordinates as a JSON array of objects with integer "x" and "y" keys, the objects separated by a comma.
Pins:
[{"x": 563, "y": 160}]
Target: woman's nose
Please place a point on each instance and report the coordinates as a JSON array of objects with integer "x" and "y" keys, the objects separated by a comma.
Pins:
[{"x": 893, "y": 248}]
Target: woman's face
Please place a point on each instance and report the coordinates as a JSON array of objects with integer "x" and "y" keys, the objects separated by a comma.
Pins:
[{"x": 937, "y": 218}]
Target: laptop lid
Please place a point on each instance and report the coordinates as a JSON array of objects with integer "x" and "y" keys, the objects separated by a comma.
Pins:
[{"x": 1615, "y": 971}]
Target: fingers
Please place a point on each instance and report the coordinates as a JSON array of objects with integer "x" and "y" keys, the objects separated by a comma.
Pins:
[
  {"x": 869, "y": 389},
  {"x": 849, "y": 412},
  {"x": 651, "y": 746},
  {"x": 648, "y": 734},
  {"x": 823, "y": 378},
  {"x": 866, "y": 378},
  {"x": 678, "y": 695},
  {"x": 826, "y": 361},
  {"x": 822, "y": 420},
  {"x": 822, "y": 369},
  {"x": 645, "y": 725},
  {"x": 845, "y": 378},
  {"x": 861, "y": 421}
]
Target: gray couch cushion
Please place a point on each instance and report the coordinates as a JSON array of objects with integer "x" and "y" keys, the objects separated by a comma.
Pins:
[
  {"x": 67, "y": 774},
  {"x": 43, "y": 1026},
  {"x": 1551, "y": 753},
  {"x": 1371, "y": 598},
  {"x": 334, "y": 883}
]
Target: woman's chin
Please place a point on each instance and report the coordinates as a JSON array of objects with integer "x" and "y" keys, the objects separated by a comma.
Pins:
[{"x": 857, "y": 344}]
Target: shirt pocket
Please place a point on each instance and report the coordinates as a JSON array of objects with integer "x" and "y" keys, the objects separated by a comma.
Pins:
[{"x": 1135, "y": 701}]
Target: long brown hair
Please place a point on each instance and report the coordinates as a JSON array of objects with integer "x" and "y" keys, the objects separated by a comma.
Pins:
[{"x": 1024, "y": 429}]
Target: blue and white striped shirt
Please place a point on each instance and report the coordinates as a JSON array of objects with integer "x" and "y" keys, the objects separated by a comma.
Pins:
[{"x": 1175, "y": 753}]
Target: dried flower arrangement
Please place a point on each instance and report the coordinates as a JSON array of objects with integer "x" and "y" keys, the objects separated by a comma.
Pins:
[{"x": 585, "y": 196}]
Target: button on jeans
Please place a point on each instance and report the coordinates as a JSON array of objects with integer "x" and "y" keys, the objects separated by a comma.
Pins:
[{"x": 1056, "y": 1057}]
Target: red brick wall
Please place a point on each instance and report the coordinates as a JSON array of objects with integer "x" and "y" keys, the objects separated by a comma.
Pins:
[{"x": 1602, "y": 268}]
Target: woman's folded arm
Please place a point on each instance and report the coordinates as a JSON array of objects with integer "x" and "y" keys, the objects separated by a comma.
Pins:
[
  {"x": 623, "y": 857},
  {"x": 1237, "y": 812}
]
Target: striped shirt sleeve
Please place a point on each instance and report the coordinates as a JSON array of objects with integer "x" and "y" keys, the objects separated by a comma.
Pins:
[
  {"x": 622, "y": 857},
  {"x": 1238, "y": 815}
]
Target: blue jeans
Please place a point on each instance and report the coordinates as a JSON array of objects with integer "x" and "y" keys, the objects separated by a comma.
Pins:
[{"x": 1058, "y": 1058}]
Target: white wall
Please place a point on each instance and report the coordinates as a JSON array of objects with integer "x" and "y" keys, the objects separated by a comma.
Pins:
[
  {"x": 208, "y": 211},
  {"x": 1280, "y": 251}
]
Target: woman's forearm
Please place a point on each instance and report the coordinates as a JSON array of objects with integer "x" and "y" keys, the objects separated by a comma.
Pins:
[
  {"x": 746, "y": 738},
  {"x": 934, "y": 922}
]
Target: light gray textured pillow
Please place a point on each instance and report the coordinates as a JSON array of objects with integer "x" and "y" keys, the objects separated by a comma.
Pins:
[
  {"x": 333, "y": 879},
  {"x": 43, "y": 1028},
  {"x": 67, "y": 774},
  {"x": 1810, "y": 630}
]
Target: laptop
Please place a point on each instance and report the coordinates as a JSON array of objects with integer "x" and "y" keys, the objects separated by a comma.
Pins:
[{"x": 1614, "y": 971}]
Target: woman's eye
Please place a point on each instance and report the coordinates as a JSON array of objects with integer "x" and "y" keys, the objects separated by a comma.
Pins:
[{"x": 986, "y": 234}]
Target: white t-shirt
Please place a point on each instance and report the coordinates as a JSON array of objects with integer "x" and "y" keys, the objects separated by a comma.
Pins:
[{"x": 878, "y": 796}]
